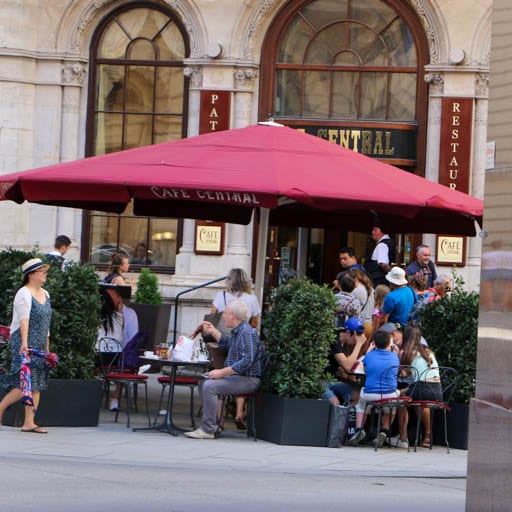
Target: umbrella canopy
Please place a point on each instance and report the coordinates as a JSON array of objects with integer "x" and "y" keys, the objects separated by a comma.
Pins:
[{"x": 302, "y": 179}]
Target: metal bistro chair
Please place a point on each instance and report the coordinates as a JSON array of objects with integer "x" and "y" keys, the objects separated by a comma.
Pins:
[
  {"x": 449, "y": 380},
  {"x": 404, "y": 374},
  {"x": 251, "y": 402},
  {"x": 113, "y": 370}
]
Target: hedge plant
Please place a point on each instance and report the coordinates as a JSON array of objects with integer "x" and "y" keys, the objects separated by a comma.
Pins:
[
  {"x": 147, "y": 288},
  {"x": 450, "y": 327},
  {"x": 75, "y": 319},
  {"x": 299, "y": 329},
  {"x": 75, "y": 311}
]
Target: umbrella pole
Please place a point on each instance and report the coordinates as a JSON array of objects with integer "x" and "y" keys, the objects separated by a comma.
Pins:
[{"x": 261, "y": 254}]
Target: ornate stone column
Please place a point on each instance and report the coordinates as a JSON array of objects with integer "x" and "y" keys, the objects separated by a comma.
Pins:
[
  {"x": 436, "y": 89},
  {"x": 72, "y": 79},
  {"x": 243, "y": 82}
]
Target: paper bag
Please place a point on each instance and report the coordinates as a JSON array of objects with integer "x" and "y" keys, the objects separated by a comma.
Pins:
[{"x": 183, "y": 349}]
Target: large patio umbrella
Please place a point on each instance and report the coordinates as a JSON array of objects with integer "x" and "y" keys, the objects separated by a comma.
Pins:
[{"x": 303, "y": 181}]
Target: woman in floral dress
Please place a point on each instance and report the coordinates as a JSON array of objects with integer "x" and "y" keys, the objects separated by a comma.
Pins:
[{"x": 30, "y": 327}]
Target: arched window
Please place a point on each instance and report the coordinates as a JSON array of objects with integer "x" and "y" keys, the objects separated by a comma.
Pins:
[
  {"x": 353, "y": 60},
  {"x": 348, "y": 63},
  {"x": 349, "y": 71},
  {"x": 137, "y": 97}
]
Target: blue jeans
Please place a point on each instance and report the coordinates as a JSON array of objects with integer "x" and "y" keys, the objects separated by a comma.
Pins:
[{"x": 341, "y": 390}]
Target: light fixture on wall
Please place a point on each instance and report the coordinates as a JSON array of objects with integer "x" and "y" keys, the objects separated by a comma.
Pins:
[{"x": 164, "y": 235}]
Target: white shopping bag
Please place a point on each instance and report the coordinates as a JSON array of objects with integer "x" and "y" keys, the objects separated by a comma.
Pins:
[{"x": 183, "y": 349}]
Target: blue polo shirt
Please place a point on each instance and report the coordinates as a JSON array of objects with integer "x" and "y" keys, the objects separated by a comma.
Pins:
[{"x": 398, "y": 304}]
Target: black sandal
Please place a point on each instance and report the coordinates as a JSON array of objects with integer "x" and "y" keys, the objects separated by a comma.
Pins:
[
  {"x": 427, "y": 441},
  {"x": 240, "y": 424}
]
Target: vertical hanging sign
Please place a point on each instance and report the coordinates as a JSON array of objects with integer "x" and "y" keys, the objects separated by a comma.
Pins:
[
  {"x": 214, "y": 111},
  {"x": 454, "y": 168},
  {"x": 455, "y": 145}
]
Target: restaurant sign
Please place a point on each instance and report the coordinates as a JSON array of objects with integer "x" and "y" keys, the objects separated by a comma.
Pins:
[
  {"x": 380, "y": 142},
  {"x": 214, "y": 111},
  {"x": 455, "y": 143},
  {"x": 211, "y": 196}
]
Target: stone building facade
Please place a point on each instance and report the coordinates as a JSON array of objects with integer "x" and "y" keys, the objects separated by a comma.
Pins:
[{"x": 64, "y": 78}]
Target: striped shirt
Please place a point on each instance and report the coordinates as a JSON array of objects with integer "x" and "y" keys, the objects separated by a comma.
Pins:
[{"x": 245, "y": 351}]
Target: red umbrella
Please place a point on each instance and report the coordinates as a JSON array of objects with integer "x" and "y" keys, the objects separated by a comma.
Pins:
[{"x": 302, "y": 179}]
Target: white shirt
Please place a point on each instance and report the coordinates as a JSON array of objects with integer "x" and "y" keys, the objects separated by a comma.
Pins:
[
  {"x": 22, "y": 307},
  {"x": 381, "y": 252},
  {"x": 249, "y": 299},
  {"x": 131, "y": 324}
]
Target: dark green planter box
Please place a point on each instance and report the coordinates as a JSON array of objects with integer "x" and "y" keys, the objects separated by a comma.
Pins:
[
  {"x": 154, "y": 319},
  {"x": 66, "y": 403},
  {"x": 292, "y": 421}
]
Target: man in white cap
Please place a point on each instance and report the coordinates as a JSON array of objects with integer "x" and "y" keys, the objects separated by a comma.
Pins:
[{"x": 399, "y": 302}]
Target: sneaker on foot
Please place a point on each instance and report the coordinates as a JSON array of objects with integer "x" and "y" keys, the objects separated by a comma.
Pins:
[
  {"x": 114, "y": 404},
  {"x": 356, "y": 438},
  {"x": 381, "y": 438},
  {"x": 396, "y": 442},
  {"x": 199, "y": 434},
  {"x": 144, "y": 368}
]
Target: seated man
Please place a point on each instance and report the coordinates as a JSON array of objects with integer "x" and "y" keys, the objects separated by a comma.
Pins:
[
  {"x": 242, "y": 369},
  {"x": 379, "y": 384},
  {"x": 343, "y": 361}
]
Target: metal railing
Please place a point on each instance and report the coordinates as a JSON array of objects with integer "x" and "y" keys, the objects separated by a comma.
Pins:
[{"x": 183, "y": 292}]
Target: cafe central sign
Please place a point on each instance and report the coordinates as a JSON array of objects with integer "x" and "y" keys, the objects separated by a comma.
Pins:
[{"x": 397, "y": 144}]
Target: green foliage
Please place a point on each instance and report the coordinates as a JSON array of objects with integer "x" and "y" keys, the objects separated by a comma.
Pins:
[
  {"x": 299, "y": 330},
  {"x": 75, "y": 319},
  {"x": 10, "y": 279},
  {"x": 75, "y": 303},
  {"x": 147, "y": 288},
  {"x": 450, "y": 327}
]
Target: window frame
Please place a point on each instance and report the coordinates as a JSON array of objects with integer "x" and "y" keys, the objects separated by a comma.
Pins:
[
  {"x": 92, "y": 111},
  {"x": 269, "y": 65}
]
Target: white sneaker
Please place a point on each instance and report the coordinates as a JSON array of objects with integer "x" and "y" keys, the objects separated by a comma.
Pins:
[
  {"x": 381, "y": 438},
  {"x": 114, "y": 404},
  {"x": 396, "y": 442},
  {"x": 144, "y": 368},
  {"x": 199, "y": 434}
]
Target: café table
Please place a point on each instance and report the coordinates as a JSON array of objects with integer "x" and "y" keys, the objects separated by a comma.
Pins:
[{"x": 167, "y": 425}]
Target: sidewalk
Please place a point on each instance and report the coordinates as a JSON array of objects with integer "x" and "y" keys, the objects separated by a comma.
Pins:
[{"x": 113, "y": 443}]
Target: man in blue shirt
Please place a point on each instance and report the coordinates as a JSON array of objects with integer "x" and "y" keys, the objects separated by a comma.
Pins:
[
  {"x": 381, "y": 369},
  {"x": 423, "y": 265},
  {"x": 399, "y": 302},
  {"x": 242, "y": 370}
]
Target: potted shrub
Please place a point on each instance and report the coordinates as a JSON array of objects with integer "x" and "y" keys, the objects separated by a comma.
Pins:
[
  {"x": 73, "y": 397},
  {"x": 299, "y": 330},
  {"x": 450, "y": 327},
  {"x": 152, "y": 313}
]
